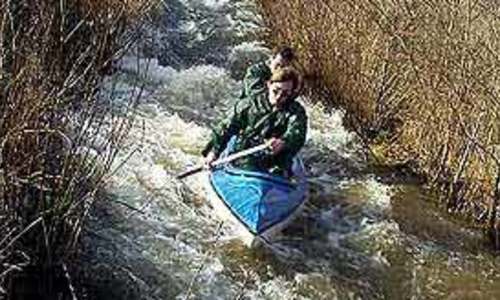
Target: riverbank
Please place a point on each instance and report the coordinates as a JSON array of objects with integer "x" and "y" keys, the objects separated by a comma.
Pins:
[{"x": 58, "y": 135}]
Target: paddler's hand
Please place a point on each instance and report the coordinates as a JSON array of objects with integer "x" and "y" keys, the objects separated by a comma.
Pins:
[
  {"x": 276, "y": 145},
  {"x": 209, "y": 159}
]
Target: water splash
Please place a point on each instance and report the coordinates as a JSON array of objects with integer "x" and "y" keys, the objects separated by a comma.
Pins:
[{"x": 160, "y": 240}]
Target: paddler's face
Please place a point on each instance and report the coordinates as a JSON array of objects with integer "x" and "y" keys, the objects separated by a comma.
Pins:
[
  {"x": 278, "y": 62},
  {"x": 279, "y": 92}
]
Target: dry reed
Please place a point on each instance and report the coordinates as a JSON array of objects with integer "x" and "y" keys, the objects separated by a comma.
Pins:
[
  {"x": 53, "y": 115},
  {"x": 421, "y": 78}
]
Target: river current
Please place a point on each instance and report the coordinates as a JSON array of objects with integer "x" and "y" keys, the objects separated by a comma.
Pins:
[{"x": 363, "y": 235}]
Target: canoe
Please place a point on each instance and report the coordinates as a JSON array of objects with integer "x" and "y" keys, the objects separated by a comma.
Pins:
[{"x": 259, "y": 204}]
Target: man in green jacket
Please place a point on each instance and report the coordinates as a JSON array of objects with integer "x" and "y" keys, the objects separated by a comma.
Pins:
[
  {"x": 273, "y": 116},
  {"x": 258, "y": 74}
]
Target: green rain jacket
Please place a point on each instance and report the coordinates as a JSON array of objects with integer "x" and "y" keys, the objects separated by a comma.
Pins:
[
  {"x": 255, "y": 79},
  {"x": 253, "y": 120}
]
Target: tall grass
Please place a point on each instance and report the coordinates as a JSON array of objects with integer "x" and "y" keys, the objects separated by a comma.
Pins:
[
  {"x": 53, "y": 115},
  {"x": 421, "y": 78}
]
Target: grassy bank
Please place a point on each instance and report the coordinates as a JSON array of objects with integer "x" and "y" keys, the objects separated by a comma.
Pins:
[
  {"x": 419, "y": 79},
  {"x": 53, "y": 116}
]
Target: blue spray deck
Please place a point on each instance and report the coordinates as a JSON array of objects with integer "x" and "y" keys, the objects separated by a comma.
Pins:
[{"x": 259, "y": 200}]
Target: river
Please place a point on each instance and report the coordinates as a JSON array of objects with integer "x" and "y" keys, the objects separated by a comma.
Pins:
[{"x": 365, "y": 234}]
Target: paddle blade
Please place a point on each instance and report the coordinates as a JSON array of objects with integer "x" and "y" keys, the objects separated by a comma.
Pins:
[{"x": 189, "y": 172}]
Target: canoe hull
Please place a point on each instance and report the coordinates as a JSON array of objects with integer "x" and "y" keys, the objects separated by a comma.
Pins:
[{"x": 259, "y": 205}]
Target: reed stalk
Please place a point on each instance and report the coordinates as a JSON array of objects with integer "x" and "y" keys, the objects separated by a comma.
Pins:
[{"x": 59, "y": 131}]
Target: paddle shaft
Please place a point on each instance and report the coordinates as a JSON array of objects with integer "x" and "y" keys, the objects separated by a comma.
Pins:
[{"x": 224, "y": 160}]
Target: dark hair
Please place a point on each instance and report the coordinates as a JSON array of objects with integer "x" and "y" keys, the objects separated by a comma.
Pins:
[
  {"x": 286, "y": 53},
  {"x": 286, "y": 74}
]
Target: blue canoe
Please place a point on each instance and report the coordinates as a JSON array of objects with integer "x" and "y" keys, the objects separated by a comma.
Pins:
[{"x": 259, "y": 203}]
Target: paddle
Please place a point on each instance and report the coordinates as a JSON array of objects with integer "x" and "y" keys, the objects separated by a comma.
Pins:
[{"x": 224, "y": 160}]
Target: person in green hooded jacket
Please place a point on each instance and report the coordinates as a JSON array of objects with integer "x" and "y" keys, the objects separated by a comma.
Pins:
[
  {"x": 258, "y": 74},
  {"x": 273, "y": 116}
]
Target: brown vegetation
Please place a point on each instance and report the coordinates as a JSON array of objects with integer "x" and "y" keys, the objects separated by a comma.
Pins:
[
  {"x": 53, "y": 57},
  {"x": 420, "y": 77}
]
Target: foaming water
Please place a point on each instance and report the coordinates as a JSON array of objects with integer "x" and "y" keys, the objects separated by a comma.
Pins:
[{"x": 358, "y": 237}]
